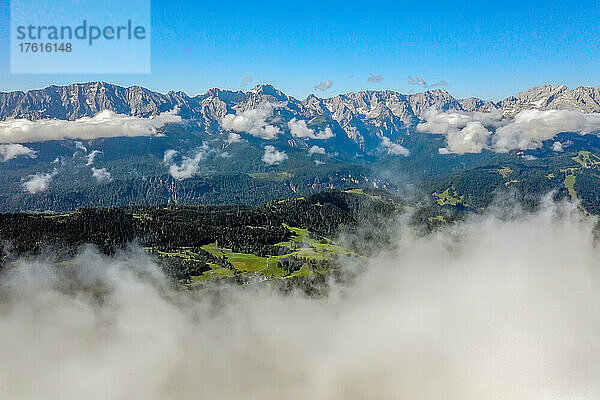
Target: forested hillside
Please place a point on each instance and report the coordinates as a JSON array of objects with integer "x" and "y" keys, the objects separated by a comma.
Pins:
[{"x": 198, "y": 243}]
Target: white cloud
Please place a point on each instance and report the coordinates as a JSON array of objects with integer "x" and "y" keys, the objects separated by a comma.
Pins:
[
  {"x": 416, "y": 81},
  {"x": 473, "y": 138},
  {"x": 80, "y": 146},
  {"x": 464, "y": 132},
  {"x": 324, "y": 85},
  {"x": 530, "y": 128},
  {"x": 493, "y": 308},
  {"x": 105, "y": 124},
  {"x": 246, "y": 81},
  {"x": 558, "y": 147},
  {"x": 233, "y": 138},
  {"x": 299, "y": 129},
  {"x": 375, "y": 78},
  {"x": 90, "y": 157},
  {"x": 440, "y": 123},
  {"x": 10, "y": 151},
  {"x": 326, "y": 133},
  {"x": 316, "y": 150},
  {"x": 473, "y": 132},
  {"x": 188, "y": 167},
  {"x": 273, "y": 156},
  {"x": 394, "y": 148},
  {"x": 101, "y": 174},
  {"x": 169, "y": 155},
  {"x": 253, "y": 122},
  {"x": 39, "y": 182}
]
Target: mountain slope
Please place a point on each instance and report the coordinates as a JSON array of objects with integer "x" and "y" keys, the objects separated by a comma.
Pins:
[{"x": 367, "y": 139}]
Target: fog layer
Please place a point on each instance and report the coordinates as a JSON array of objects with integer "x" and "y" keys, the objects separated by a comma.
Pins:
[{"x": 489, "y": 309}]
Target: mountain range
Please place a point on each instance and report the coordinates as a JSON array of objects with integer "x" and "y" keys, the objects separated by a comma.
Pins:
[
  {"x": 234, "y": 147},
  {"x": 360, "y": 116}
]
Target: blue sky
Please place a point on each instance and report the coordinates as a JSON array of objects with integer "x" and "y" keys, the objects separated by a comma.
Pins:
[{"x": 484, "y": 49}]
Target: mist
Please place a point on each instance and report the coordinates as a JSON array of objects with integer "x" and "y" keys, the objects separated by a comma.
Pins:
[{"x": 491, "y": 308}]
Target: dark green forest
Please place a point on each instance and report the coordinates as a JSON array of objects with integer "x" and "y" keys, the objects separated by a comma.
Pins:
[{"x": 177, "y": 235}]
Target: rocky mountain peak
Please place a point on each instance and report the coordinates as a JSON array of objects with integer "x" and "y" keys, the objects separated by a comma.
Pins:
[
  {"x": 553, "y": 97},
  {"x": 270, "y": 91}
]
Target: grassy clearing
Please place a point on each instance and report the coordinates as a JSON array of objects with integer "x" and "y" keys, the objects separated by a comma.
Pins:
[
  {"x": 215, "y": 272},
  {"x": 285, "y": 200},
  {"x": 449, "y": 196},
  {"x": 505, "y": 172},
  {"x": 184, "y": 253},
  {"x": 437, "y": 219},
  {"x": 247, "y": 262},
  {"x": 570, "y": 185},
  {"x": 275, "y": 176},
  {"x": 587, "y": 159},
  {"x": 55, "y": 216},
  {"x": 303, "y": 272},
  {"x": 354, "y": 191},
  {"x": 305, "y": 246},
  {"x": 213, "y": 249},
  {"x": 302, "y": 245},
  {"x": 361, "y": 191}
]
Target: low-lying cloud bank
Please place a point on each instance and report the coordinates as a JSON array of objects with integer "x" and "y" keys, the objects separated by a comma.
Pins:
[
  {"x": 11, "y": 151},
  {"x": 253, "y": 121},
  {"x": 316, "y": 150},
  {"x": 39, "y": 182},
  {"x": 299, "y": 129},
  {"x": 258, "y": 122},
  {"x": 189, "y": 165},
  {"x": 476, "y": 131},
  {"x": 490, "y": 309},
  {"x": 394, "y": 148},
  {"x": 272, "y": 156},
  {"x": 101, "y": 175},
  {"x": 90, "y": 158},
  {"x": 105, "y": 124}
]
